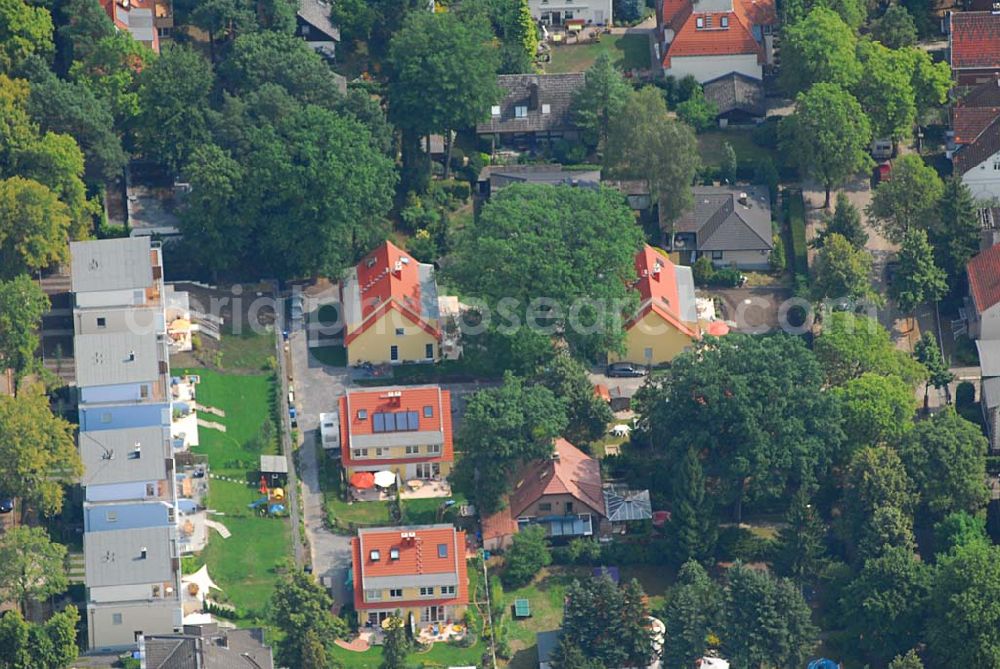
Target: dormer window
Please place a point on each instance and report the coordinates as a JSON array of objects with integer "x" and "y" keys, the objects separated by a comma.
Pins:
[
  {"x": 393, "y": 553},
  {"x": 374, "y": 556},
  {"x": 495, "y": 110},
  {"x": 724, "y": 21},
  {"x": 699, "y": 23},
  {"x": 521, "y": 111}
]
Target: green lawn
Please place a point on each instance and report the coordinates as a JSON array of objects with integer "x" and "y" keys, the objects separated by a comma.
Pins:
[
  {"x": 440, "y": 655},
  {"x": 247, "y": 401},
  {"x": 335, "y": 355},
  {"x": 711, "y": 143},
  {"x": 247, "y": 351},
  {"x": 627, "y": 52},
  {"x": 244, "y": 564}
]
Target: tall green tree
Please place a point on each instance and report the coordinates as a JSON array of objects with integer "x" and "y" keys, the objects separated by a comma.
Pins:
[
  {"x": 889, "y": 527},
  {"x": 526, "y": 556},
  {"x": 753, "y": 406},
  {"x": 693, "y": 612},
  {"x": 842, "y": 271},
  {"x": 173, "y": 104},
  {"x": 38, "y": 454},
  {"x": 851, "y": 344},
  {"x": 300, "y": 608},
  {"x": 72, "y": 108},
  {"x": 503, "y": 428},
  {"x": 828, "y": 135},
  {"x": 34, "y": 227},
  {"x": 48, "y": 645},
  {"x": 32, "y": 567},
  {"x": 886, "y": 604},
  {"x": 692, "y": 529},
  {"x": 22, "y": 305},
  {"x": 210, "y": 218},
  {"x": 513, "y": 26},
  {"x": 82, "y": 24},
  {"x": 846, "y": 222},
  {"x": 877, "y": 409},
  {"x": 918, "y": 279},
  {"x": 885, "y": 91},
  {"x": 909, "y": 200},
  {"x": 767, "y": 621},
  {"x": 644, "y": 142},
  {"x": 222, "y": 19},
  {"x": 876, "y": 478},
  {"x": 268, "y": 57},
  {"x": 373, "y": 21},
  {"x": 396, "y": 645},
  {"x": 567, "y": 655},
  {"x": 25, "y": 31},
  {"x": 595, "y": 606},
  {"x": 819, "y": 49},
  {"x": 896, "y": 28},
  {"x": 928, "y": 353},
  {"x": 574, "y": 247},
  {"x": 909, "y": 661},
  {"x": 588, "y": 414},
  {"x": 442, "y": 75},
  {"x": 954, "y": 233},
  {"x": 945, "y": 456},
  {"x": 602, "y": 97},
  {"x": 799, "y": 554},
  {"x": 110, "y": 70},
  {"x": 931, "y": 81},
  {"x": 963, "y": 628}
]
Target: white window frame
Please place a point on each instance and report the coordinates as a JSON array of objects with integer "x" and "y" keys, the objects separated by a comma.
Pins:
[
  {"x": 495, "y": 111},
  {"x": 521, "y": 111},
  {"x": 393, "y": 591},
  {"x": 373, "y": 595}
]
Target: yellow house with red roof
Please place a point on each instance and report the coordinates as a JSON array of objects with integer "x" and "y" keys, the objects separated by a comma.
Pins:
[
  {"x": 416, "y": 573},
  {"x": 405, "y": 429},
  {"x": 390, "y": 309},
  {"x": 667, "y": 320}
]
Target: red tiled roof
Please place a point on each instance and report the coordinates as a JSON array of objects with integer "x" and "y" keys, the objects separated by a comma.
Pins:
[
  {"x": 973, "y": 113},
  {"x": 657, "y": 286},
  {"x": 975, "y": 40},
  {"x": 573, "y": 472},
  {"x": 389, "y": 278},
  {"x": 115, "y": 9},
  {"x": 981, "y": 148},
  {"x": 418, "y": 556},
  {"x": 392, "y": 399},
  {"x": 737, "y": 38},
  {"x": 984, "y": 278}
]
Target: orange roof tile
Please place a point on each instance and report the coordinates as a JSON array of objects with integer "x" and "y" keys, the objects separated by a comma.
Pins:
[
  {"x": 975, "y": 40},
  {"x": 984, "y": 278},
  {"x": 735, "y": 38},
  {"x": 390, "y": 400},
  {"x": 657, "y": 287},
  {"x": 573, "y": 472},
  {"x": 976, "y": 111},
  {"x": 389, "y": 278},
  {"x": 417, "y": 557}
]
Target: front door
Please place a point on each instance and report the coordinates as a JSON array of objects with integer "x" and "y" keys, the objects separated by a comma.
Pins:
[
  {"x": 432, "y": 614},
  {"x": 557, "y": 18}
]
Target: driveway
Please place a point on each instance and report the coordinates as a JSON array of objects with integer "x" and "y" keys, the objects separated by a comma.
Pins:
[{"x": 317, "y": 388}]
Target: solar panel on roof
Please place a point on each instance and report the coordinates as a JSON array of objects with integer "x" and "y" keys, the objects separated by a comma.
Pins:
[
  {"x": 412, "y": 420},
  {"x": 378, "y": 422}
]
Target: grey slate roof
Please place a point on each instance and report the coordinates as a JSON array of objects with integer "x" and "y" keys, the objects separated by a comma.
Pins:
[
  {"x": 736, "y": 92},
  {"x": 533, "y": 91},
  {"x": 105, "y": 455},
  {"x": 274, "y": 464},
  {"x": 721, "y": 223},
  {"x": 114, "y": 558},
  {"x": 208, "y": 647},
  {"x": 317, "y": 14},
  {"x": 991, "y": 392},
  {"x": 500, "y": 176},
  {"x": 115, "y": 358},
  {"x": 624, "y": 504},
  {"x": 989, "y": 357},
  {"x": 111, "y": 264}
]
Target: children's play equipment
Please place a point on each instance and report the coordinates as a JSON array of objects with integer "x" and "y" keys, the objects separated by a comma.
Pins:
[{"x": 272, "y": 502}]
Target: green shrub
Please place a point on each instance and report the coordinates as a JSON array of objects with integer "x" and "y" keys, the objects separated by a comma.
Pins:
[
  {"x": 567, "y": 152},
  {"x": 703, "y": 271},
  {"x": 795, "y": 212},
  {"x": 776, "y": 259},
  {"x": 965, "y": 395}
]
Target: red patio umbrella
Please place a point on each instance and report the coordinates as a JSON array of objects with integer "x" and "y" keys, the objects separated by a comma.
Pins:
[{"x": 363, "y": 480}]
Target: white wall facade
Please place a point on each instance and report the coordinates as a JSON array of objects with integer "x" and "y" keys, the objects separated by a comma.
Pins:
[
  {"x": 986, "y": 325},
  {"x": 120, "y": 492},
  {"x": 592, "y": 11},
  {"x": 111, "y": 298},
  {"x": 741, "y": 259},
  {"x": 984, "y": 179},
  {"x": 706, "y": 68},
  {"x": 126, "y": 392}
]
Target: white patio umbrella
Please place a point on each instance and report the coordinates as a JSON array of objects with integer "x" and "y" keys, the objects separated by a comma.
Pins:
[{"x": 385, "y": 478}]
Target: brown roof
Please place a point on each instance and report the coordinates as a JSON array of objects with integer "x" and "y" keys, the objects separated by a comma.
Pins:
[
  {"x": 984, "y": 278},
  {"x": 981, "y": 148},
  {"x": 973, "y": 113},
  {"x": 736, "y": 92},
  {"x": 975, "y": 40},
  {"x": 500, "y": 524},
  {"x": 534, "y": 91},
  {"x": 569, "y": 472}
]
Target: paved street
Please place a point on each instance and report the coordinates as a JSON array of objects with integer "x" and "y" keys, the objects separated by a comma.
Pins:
[{"x": 317, "y": 388}]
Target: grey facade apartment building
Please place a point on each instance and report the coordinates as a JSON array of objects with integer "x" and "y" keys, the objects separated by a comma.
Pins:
[{"x": 131, "y": 554}]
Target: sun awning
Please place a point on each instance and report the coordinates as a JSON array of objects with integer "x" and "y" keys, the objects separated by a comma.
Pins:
[{"x": 385, "y": 478}]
